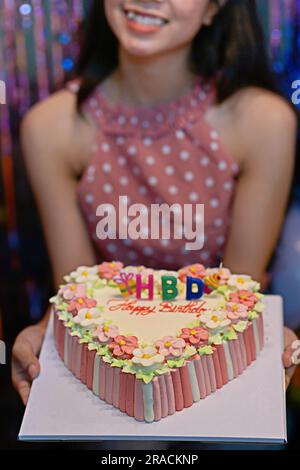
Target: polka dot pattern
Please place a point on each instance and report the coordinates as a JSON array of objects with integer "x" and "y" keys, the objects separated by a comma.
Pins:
[{"x": 162, "y": 154}]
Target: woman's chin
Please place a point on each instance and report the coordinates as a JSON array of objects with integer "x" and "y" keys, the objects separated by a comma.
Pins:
[{"x": 141, "y": 49}]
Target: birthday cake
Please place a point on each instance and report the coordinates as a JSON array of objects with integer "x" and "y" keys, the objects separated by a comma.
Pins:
[{"x": 152, "y": 343}]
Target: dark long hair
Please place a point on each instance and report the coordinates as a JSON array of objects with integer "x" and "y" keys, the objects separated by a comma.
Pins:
[{"x": 231, "y": 50}]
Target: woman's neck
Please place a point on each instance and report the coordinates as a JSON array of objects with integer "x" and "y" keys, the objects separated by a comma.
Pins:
[{"x": 150, "y": 81}]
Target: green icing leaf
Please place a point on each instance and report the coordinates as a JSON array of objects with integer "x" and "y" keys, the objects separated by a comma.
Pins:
[
  {"x": 70, "y": 323},
  {"x": 93, "y": 347},
  {"x": 63, "y": 307},
  {"x": 86, "y": 337},
  {"x": 259, "y": 307},
  {"x": 162, "y": 370},
  {"x": 230, "y": 335},
  {"x": 83, "y": 341},
  {"x": 100, "y": 284},
  {"x": 252, "y": 315},
  {"x": 174, "y": 363},
  {"x": 190, "y": 351},
  {"x": 107, "y": 359},
  {"x": 76, "y": 333},
  {"x": 90, "y": 292},
  {"x": 129, "y": 368},
  {"x": 64, "y": 316},
  {"x": 147, "y": 378},
  {"x": 223, "y": 289},
  {"x": 240, "y": 326},
  {"x": 215, "y": 339},
  {"x": 259, "y": 295},
  {"x": 117, "y": 363},
  {"x": 205, "y": 350},
  {"x": 102, "y": 350},
  {"x": 55, "y": 299}
]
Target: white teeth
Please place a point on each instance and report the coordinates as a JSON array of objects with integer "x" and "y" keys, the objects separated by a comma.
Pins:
[{"x": 144, "y": 19}]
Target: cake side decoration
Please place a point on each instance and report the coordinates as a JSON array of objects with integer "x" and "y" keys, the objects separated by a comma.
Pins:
[{"x": 210, "y": 321}]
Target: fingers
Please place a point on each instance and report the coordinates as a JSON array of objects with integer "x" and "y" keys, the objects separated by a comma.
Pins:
[
  {"x": 23, "y": 388},
  {"x": 24, "y": 355},
  {"x": 25, "y": 367},
  {"x": 287, "y": 358}
]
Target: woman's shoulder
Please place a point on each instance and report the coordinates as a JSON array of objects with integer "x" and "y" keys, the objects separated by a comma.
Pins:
[
  {"x": 54, "y": 113},
  {"x": 260, "y": 118},
  {"x": 55, "y": 125},
  {"x": 260, "y": 108}
]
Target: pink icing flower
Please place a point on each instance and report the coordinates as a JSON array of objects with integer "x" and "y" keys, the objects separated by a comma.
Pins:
[
  {"x": 109, "y": 270},
  {"x": 244, "y": 297},
  {"x": 80, "y": 302},
  {"x": 170, "y": 346},
  {"x": 106, "y": 333},
  {"x": 236, "y": 311},
  {"x": 123, "y": 346},
  {"x": 195, "y": 336},
  {"x": 193, "y": 270},
  {"x": 70, "y": 291}
]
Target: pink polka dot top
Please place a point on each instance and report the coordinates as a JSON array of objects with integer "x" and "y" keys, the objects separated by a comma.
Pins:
[{"x": 164, "y": 154}]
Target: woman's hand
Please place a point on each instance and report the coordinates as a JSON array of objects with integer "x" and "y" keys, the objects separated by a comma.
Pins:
[
  {"x": 25, "y": 363},
  {"x": 288, "y": 354}
]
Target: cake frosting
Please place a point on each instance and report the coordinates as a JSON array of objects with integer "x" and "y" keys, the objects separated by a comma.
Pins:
[{"x": 153, "y": 357}]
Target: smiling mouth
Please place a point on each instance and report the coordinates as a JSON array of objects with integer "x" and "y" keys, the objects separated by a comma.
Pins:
[{"x": 146, "y": 19}]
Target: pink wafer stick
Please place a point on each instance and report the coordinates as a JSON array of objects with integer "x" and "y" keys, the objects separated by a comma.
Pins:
[
  {"x": 130, "y": 386},
  {"x": 102, "y": 376},
  {"x": 247, "y": 345},
  {"x": 218, "y": 373},
  {"x": 170, "y": 394},
  {"x": 186, "y": 386},
  {"x": 84, "y": 360},
  {"x": 238, "y": 355},
  {"x": 243, "y": 350},
  {"x": 55, "y": 322},
  {"x": 206, "y": 375},
  {"x": 233, "y": 358},
  {"x": 200, "y": 377},
  {"x": 179, "y": 401},
  {"x": 260, "y": 331},
  {"x": 156, "y": 399},
  {"x": 90, "y": 369},
  {"x": 252, "y": 342},
  {"x": 222, "y": 361},
  {"x": 163, "y": 396},
  {"x": 138, "y": 401},
  {"x": 109, "y": 384},
  {"x": 116, "y": 387},
  {"x": 72, "y": 354},
  {"x": 122, "y": 396},
  {"x": 211, "y": 372},
  {"x": 78, "y": 352},
  {"x": 60, "y": 332}
]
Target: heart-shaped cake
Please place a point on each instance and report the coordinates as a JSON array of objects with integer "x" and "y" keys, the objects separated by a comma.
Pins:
[{"x": 148, "y": 342}]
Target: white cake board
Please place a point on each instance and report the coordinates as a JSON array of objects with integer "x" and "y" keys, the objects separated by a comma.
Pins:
[{"x": 250, "y": 408}]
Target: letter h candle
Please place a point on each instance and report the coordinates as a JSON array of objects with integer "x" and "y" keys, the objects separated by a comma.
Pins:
[{"x": 140, "y": 286}]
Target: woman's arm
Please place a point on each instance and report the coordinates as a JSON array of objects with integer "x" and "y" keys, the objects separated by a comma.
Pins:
[
  {"x": 54, "y": 142},
  {"x": 266, "y": 133},
  {"x": 49, "y": 135}
]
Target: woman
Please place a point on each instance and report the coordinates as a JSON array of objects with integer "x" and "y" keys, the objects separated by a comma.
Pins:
[{"x": 165, "y": 87}]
